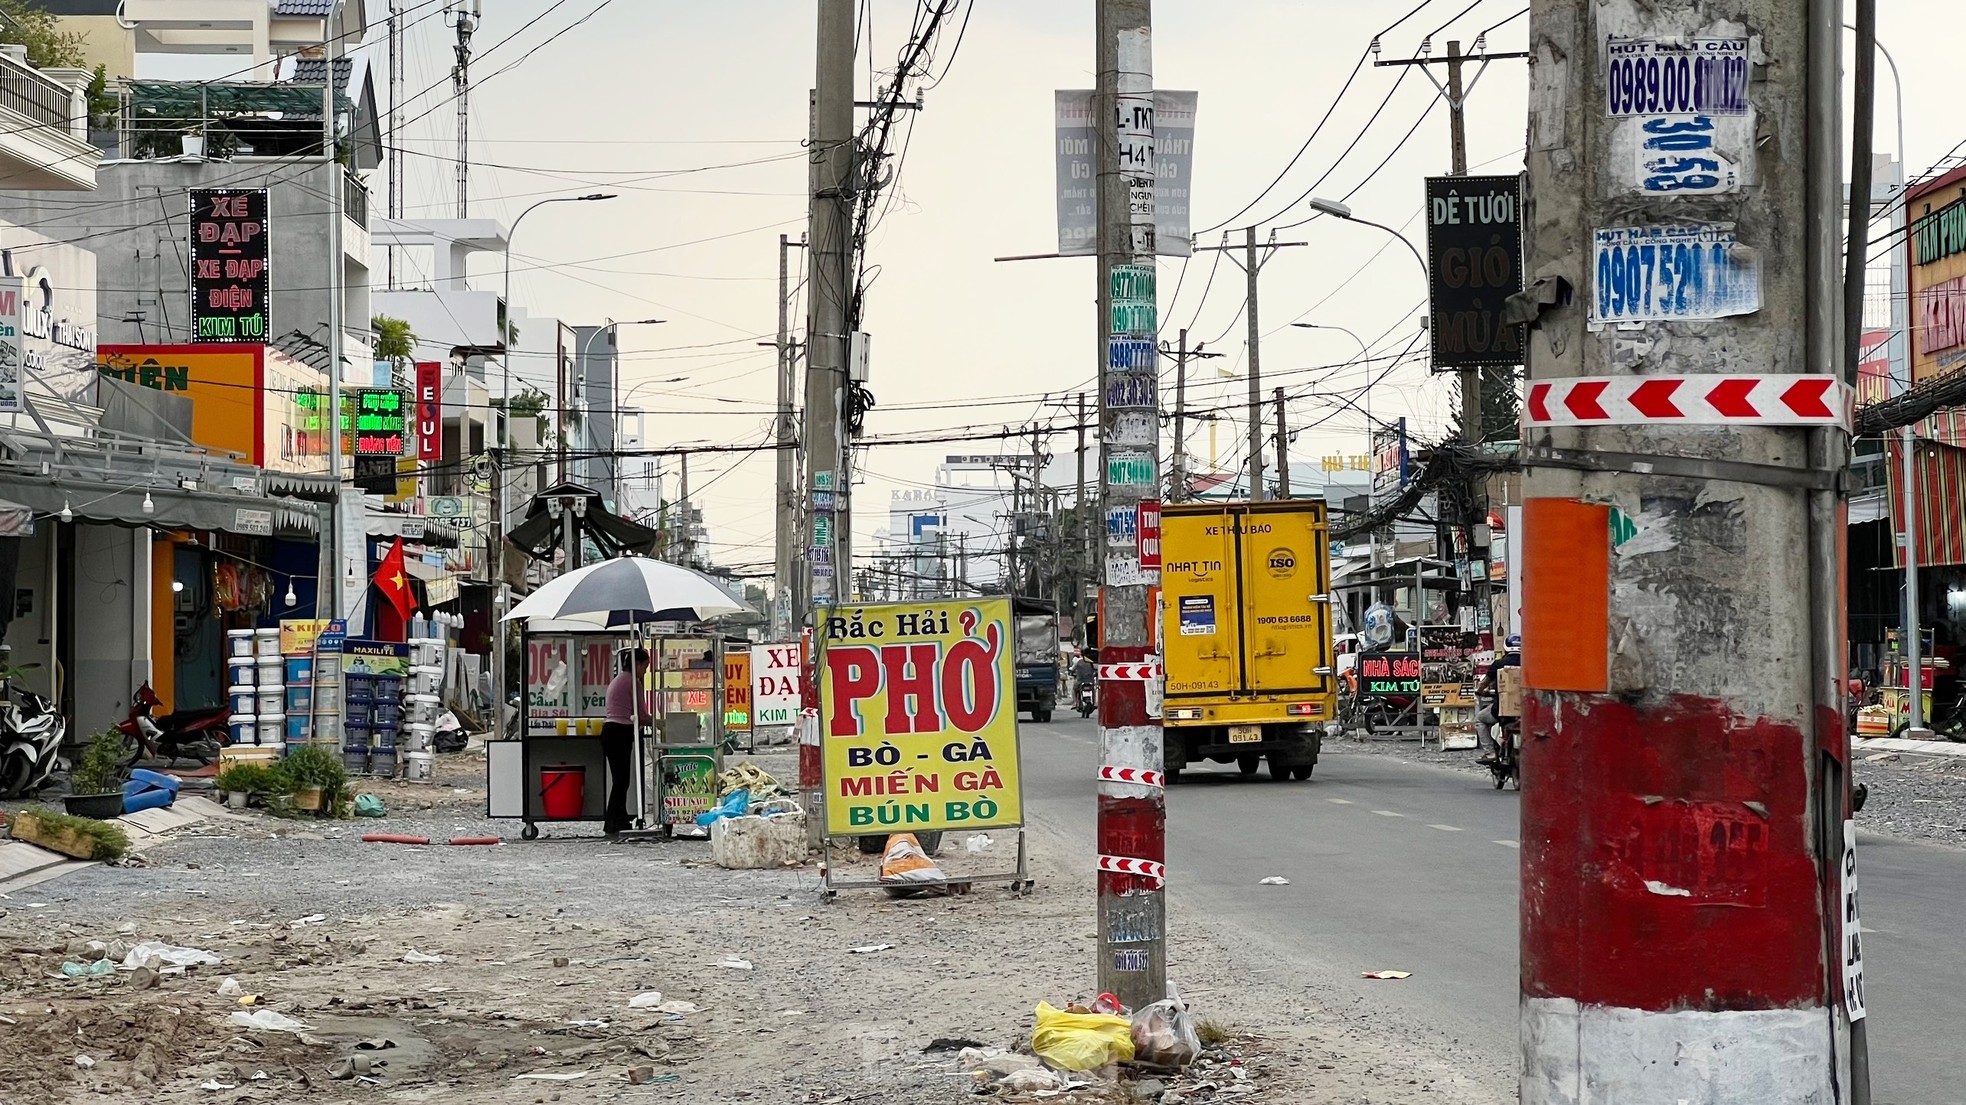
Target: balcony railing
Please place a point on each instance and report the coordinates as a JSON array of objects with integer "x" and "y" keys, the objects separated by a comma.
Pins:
[
  {"x": 355, "y": 199},
  {"x": 25, "y": 90}
]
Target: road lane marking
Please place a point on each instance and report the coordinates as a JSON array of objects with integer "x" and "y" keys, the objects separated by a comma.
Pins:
[
  {"x": 1508, "y": 843},
  {"x": 1445, "y": 828},
  {"x": 1339, "y": 801},
  {"x": 1388, "y": 813}
]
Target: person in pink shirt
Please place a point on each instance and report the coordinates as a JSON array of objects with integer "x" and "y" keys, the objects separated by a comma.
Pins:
[{"x": 618, "y": 737}]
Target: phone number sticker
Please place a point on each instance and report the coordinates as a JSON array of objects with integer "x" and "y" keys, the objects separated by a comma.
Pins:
[
  {"x": 1671, "y": 273},
  {"x": 1695, "y": 76}
]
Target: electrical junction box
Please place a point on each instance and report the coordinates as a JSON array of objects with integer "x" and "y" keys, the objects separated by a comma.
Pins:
[{"x": 856, "y": 355}]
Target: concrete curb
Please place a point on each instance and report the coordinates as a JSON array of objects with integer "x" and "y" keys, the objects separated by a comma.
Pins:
[
  {"x": 23, "y": 865},
  {"x": 1900, "y": 744}
]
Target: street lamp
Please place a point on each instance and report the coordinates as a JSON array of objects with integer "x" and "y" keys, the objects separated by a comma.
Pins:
[
  {"x": 495, "y": 546},
  {"x": 585, "y": 345},
  {"x": 1340, "y": 211}
]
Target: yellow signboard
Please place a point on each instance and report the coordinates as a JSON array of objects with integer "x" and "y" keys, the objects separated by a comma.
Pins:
[
  {"x": 918, "y": 717},
  {"x": 297, "y": 635},
  {"x": 737, "y": 691}
]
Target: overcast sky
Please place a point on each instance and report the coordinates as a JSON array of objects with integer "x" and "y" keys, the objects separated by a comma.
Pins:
[{"x": 694, "y": 111}]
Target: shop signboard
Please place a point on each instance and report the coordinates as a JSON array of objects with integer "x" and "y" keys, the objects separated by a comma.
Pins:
[
  {"x": 918, "y": 717},
  {"x": 688, "y": 782},
  {"x": 303, "y": 636},
  {"x": 737, "y": 691},
  {"x": 250, "y": 400},
  {"x": 549, "y": 683},
  {"x": 1474, "y": 264},
  {"x": 1389, "y": 674},
  {"x": 1389, "y": 460},
  {"x": 429, "y": 410},
  {"x": 362, "y": 657},
  {"x": 1447, "y": 656},
  {"x": 12, "y": 353},
  {"x": 230, "y": 281},
  {"x": 774, "y": 684}
]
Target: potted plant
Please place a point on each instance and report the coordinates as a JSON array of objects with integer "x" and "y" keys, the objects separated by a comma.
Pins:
[
  {"x": 95, "y": 785},
  {"x": 315, "y": 777},
  {"x": 242, "y": 782}
]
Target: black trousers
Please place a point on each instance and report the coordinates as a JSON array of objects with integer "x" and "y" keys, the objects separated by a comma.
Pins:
[{"x": 618, "y": 745}]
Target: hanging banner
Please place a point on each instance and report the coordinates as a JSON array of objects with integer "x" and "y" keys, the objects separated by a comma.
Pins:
[
  {"x": 11, "y": 353},
  {"x": 429, "y": 410},
  {"x": 230, "y": 281},
  {"x": 1474, "y": 263},
  {"x": 737, "y": 691},
  {"x": 918, "y": 717},
  {"x": 1078, "y": 178},
  {"x": 774, "y": 684}
]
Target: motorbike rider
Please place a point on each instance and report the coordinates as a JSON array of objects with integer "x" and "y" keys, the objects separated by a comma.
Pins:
[
  {"x": 1488, "y": 695},
  {"x": 1083, "y": 674}
]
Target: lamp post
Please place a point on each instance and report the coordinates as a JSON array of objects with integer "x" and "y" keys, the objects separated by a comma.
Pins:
[
  {"x": 587, "y": 344},
  {"x": 1340, "y": 211},
  {"x": 495, "y": 545},
  {"x": 1365, "y": 397}
]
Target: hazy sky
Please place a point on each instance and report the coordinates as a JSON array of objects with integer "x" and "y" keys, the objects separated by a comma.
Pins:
[{"x": 693, "y": 111}]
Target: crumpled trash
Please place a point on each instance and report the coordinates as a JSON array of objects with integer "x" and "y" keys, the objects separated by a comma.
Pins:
[
  {"x": 158, "y": 954},
  {"x": 751, "y": 777},
  {"x": 1164, "y": 1033},
  {"x": 266, "y": 1020},
  {"x": 1385, "y": 974},
  {"x": 735, "y": 964},
  {"x": 676, "y": 1007},
  {"x": 1024, "y": 1081},
  {"x": 1274, "y": 880},
  {"x": 735, "y": 804},
  {"x": 88, "y": 970},
  {"x": 646, "y": 1001},
  {"x": 369, "y": 805},
  {"x": 230, "y": 988},
  {"x": 1080, "y": 1041},
  {"x": 414, "y": 956},
  {"x": 84, "y": 1061},
  {"x": 976, "y": 843},
  {"x": 869, "y": 949}
]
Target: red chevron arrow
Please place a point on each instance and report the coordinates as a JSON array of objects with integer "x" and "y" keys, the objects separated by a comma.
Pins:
[
  {"x": 1730, "y": 398},
  {"x": 1805, "y": 398},
  {"x": 1582, "y": 399},
  {"x": 1124, "y": 866},
  {"x": 1136, "y": 775},
  {"x": 1539, "y": 397},
  {"x": 1653, "y": 399}
]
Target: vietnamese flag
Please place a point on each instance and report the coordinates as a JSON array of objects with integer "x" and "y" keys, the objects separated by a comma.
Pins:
[{"x": 393, "y": 580}]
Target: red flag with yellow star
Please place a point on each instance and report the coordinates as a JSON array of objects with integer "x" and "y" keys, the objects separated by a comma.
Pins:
[{"x": 393, "y": 580}]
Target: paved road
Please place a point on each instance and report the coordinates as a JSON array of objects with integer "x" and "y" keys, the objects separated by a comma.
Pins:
[{"x": 1412, "y": 867}]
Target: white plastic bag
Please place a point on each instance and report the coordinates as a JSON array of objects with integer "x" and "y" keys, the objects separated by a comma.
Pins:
[{"x": 1164, "y": 1033}]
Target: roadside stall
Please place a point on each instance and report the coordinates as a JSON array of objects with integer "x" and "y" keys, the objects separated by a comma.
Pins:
[{"x": 577, "y": 631}]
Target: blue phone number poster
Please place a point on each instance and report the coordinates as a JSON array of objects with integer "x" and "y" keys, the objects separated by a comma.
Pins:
[{"x": 1671, "y": 273}]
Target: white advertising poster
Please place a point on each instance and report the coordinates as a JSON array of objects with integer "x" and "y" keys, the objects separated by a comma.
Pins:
[
  {"x": 1670, "y": 273},
  {"x": 1174, "y": 164},
  {"x": 774, "y": 684},
  {"x": 1513, "y": 519}
]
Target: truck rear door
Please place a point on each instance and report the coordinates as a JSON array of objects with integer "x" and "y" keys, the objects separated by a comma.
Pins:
[
  {"x": 1285, "y": 563},
  {"x": 1201, "y": 609}
]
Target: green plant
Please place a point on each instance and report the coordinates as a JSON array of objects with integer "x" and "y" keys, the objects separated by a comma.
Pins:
[
  {"x": 111, "y": 841},
  {"x": 48, "y": 45},
  {"x": 1213, "y": 1033},
  {"x": 312, "y": 767},
  {"x": 249, "y": 778},
  {"x": 100, "y": 769}
]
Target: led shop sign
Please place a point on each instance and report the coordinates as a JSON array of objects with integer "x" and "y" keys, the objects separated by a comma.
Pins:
[
  {"x": 380, "y": 421},
  {"x": 229, "y": 281}
]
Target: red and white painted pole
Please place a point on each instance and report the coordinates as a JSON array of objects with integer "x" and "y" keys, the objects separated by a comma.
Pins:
[
  {"x": 1132, "y": 804},
  {"x": 1683, "y": 934}
]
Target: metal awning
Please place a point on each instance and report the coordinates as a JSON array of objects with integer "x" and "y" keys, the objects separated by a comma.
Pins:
[
  {"x": 413, "y": 527},
  {"x": 320, "y": 489},
  {"x": 426, "y": 572},
  {"x": 15, "y": 520},
  {"x": 171, "y": 507}
]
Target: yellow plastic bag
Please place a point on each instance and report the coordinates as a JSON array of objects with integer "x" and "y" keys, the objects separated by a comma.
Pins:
[{"x": 1081, "y": 1041}]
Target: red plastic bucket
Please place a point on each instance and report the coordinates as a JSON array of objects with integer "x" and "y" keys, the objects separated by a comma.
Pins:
[{"x": 563, "y": 791}]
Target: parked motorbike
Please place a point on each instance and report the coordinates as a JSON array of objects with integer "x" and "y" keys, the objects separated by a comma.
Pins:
[
  {"x": 1087, "y": 703},
  {"x": 31, "y": 732},
  {"x": 184, "y": 735}
]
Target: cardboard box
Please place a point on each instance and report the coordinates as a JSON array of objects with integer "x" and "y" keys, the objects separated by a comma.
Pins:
[{"x": 1509, "y": 699}]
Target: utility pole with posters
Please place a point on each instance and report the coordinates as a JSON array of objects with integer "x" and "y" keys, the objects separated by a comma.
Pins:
[
  {"x": 829, "y": 282},
  {"x": 1132, "y": 801},
  {"x": 1688, "y": 877}
]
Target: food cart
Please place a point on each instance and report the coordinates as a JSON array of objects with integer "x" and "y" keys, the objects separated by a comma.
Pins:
[{"x": 553, "y": 769}]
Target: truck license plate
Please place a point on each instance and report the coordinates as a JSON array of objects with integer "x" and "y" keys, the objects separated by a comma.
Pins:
[{"x": 1245, "y": 734}]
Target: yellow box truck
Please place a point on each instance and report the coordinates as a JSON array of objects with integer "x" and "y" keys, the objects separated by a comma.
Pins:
[{"x": 1246, "y": 635}]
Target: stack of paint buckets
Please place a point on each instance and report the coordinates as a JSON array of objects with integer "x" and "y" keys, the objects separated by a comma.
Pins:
[
  {"x": 420, "y": 708},
  {"x": 375, "y": 720},
  {"x": 313, "y": 690},
  {"x": 256, "y": 687}
]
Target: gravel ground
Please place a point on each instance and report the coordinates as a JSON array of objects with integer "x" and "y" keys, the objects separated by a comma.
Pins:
[{"x": 544, "y": 944}]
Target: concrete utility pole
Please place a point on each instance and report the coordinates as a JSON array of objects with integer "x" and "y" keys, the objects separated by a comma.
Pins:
[
  {"x": 1252, "y": 263},
  {"x": 1457, "y": 97},
  {"x": 784, "y": 571},
  {"x": 395, "y": 184},
  {"x": 1177, "y": 490},
  {"x": 1132, "y": 816},
  {"x": 1082, "y": 509},
  {"x": 829, "y": 284},
  {"x": 350, "y": 562},
  {"x": 1688, "y": 885},
  {"x": 1283, "y": 450},
  {"x": 467, "y": 24}
]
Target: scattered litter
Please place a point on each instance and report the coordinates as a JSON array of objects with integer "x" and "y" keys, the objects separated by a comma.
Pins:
[
  {"x": 869, "y": 949},
  {"x": 1275, "y": 880},
  {"x": 589, "y": 1024},
  {"x": 646, "y": 1001},
  {"x": 266, "y": 1020},
  {"x": 230, "y": 988},
  {"x": 153, "y": 954},
  {"x": 735, "y": 963},
  {"x": 1080, "y": 1041},
  {"x": 375, "y": 1043},
  {"x": 977, "y": 843},
  {"x": 1039, "y": 1079},
  {"x": 310, "y": 919},
  {"x": 88, "y": 970},
  {"x": 551, "y": 1076},
  {"x": 733, "y": 805},
  {"x": 369, "y": 805},
  {"x": 646, "y": 1076},
  {"x": 357, "y": 1066},
  {"x": 1164, "y": 1034},
  {"x": 748, "y": 776},
  {"x": 962, "y": 1045},
  {"x": 84, "y": 1062},
  {"x": 215, "y": 1084},
  {"x": 676, "y": 1008},
  {"x": 1386, "y": 974},
  {"x": 415, "y": 956}
]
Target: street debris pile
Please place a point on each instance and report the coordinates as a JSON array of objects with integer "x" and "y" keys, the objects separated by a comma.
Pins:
[{"x": 1090, "y": 1051}]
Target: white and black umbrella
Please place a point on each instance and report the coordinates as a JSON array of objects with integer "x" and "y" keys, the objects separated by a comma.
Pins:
[{"x": 629, "y": 590}]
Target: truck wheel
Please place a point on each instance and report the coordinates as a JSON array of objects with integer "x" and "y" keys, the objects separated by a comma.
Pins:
[
  {"x": 1248, "y": 764},
  {"x": 1041, "y": 716},
  {"x": 1279, "y": 767},
  {"x": 1302, "y": 773}
]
